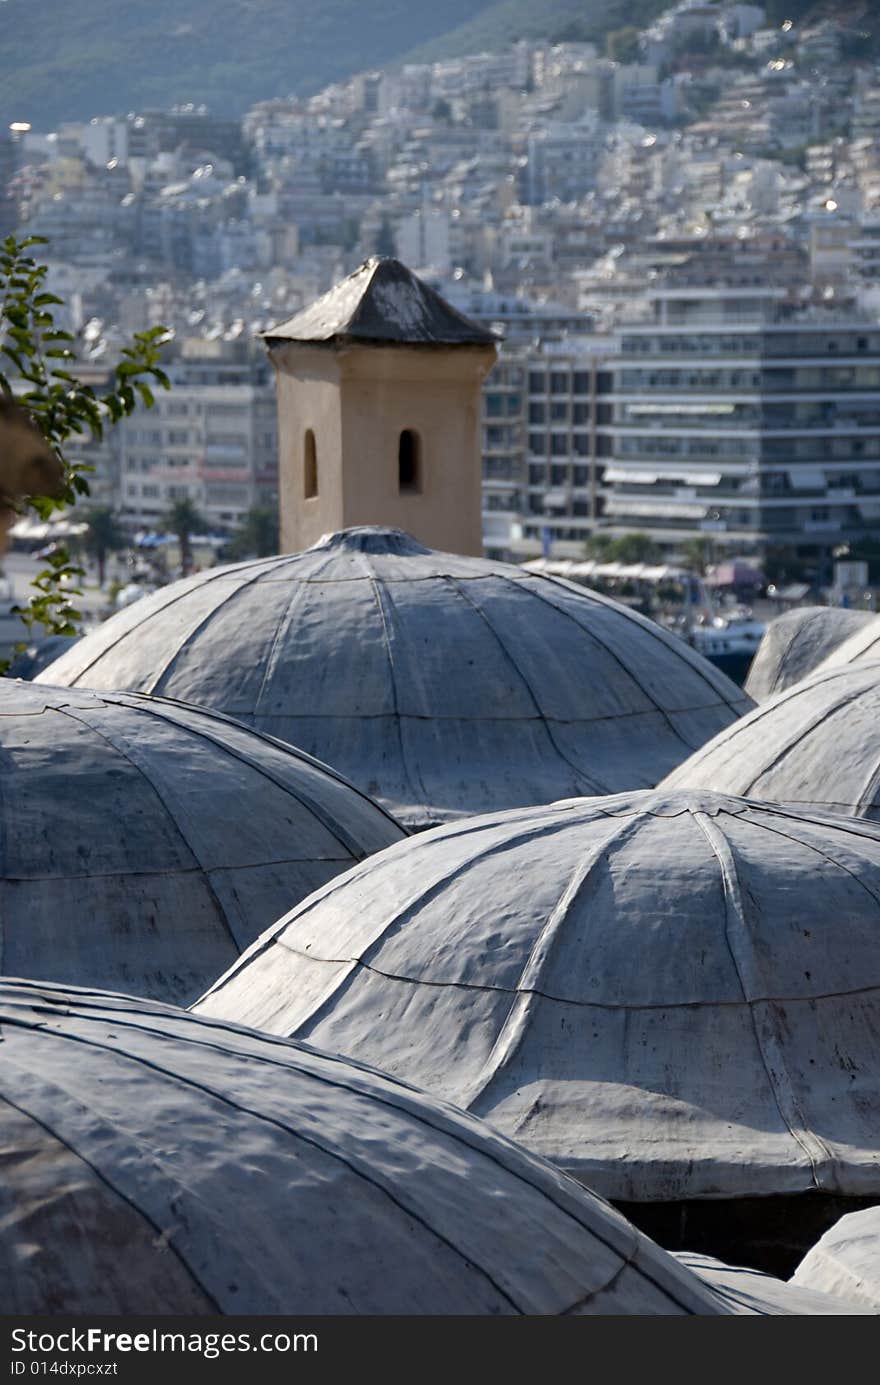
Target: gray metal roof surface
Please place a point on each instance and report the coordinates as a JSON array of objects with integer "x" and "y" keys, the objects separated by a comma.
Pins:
[
  {"x": 750, "y": 1291},
  {"x": 815, "y": 746},
  {"x": 385, "y": 303},
  {"x": 795, "y": 644},
  {"x": 440, "y": 685},
  {"x": 860, "y": 647},
  {"x": 156, "y": 1163},
  {"x": 669, "y": 995},
  {"x": 846, "y": 1261},
  {"x": 145, "y": 843}
]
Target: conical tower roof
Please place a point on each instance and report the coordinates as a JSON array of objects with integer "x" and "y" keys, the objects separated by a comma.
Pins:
[
  {"x": 815, "y": 746},
  {"x": 441, "y": 685},
  {"x": 156, "y": 1163},
  {"x": 384, "y": 303},
  {"x": 145, "y": 843},
  {"x": 669, "y": 995}
]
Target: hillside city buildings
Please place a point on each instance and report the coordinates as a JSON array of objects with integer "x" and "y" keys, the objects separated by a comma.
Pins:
[{"x": 679, "y": 247}]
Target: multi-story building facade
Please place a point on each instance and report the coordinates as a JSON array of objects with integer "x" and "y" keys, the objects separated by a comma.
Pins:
[
  {"x": 738, "y": 416},
  {"x": 544, "y": 423},
  {"x": 561, "y": 160},
  {"x": 566, "y": 444},
  {"x": 212, "y": 439},
  {"x": 8, "y": 210},
  {"x": 544, "y": 444},
  {"x": 503, "y": 449}
]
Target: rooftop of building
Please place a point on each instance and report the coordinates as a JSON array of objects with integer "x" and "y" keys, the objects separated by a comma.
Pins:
[{"x": 383, "y": 302}]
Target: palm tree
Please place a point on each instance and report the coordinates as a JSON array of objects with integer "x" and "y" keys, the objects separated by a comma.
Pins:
[
  {"x": 182, "y": 519},
  {"x": 103, "y": 537},
  {"x": 258, "y": 535},
  {"x": 697, "y": 554}
]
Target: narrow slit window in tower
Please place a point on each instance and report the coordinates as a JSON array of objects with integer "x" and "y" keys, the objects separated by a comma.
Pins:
[
  {"x": 310, "y": 466},
  {"x": 409, "y": 462}
]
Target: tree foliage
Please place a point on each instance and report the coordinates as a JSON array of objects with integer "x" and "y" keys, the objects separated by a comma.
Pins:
[
  {"x": 696, "y": 554},
  {"x": 258, "y": 536},
  {"x": 629, "y": 548},
  {"x": 103, "y": 536},
  {"x": 183, "y": 520},
  {"x": 38, "y": 367},
  {"x": 622, "y": 45}
]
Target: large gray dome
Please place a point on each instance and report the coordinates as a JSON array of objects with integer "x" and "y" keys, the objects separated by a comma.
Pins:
[
  {"x": 442, "y": 685},
  {"x": 815, "y": 746},
  {"x": 796, "y": 643},
  {"x": 862, "y": 646},
  {"x": 748, "y": 1291},
  {"x": 846, "y": 1261},
  {"x": 669, "y": 995},
  {"x": 155, "y": 1163},
  {"x": 145, "y": 843}
]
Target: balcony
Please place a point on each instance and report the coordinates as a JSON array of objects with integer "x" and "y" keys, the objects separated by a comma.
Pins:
[{"x": 822, "y": 526}]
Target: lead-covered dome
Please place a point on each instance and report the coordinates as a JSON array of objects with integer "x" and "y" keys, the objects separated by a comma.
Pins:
[
  {"x": 156, "y": 1163},
  {"x": 815, "y": 746},
  {"x": 795, "y": 644},
  {"x": 145, "y": 843},
  {"x": 441, "y": 685},
  {"x": 669, "y": 995},
  {"x": 846, "y": 1261},
  {"x": 862, "y": 646},
  {"x": 750, "y": 1292}
]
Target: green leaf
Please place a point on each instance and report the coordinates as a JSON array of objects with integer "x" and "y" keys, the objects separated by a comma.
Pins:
[{"x": 15, "y": 357}]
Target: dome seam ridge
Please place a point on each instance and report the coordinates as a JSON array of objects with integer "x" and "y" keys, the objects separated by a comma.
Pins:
[
  {"x": 102, "y": 1177},
  {"x": 603, "y": 645},
  {"x": 310, "y": 804},
  {"x": 540, "y": 994},
  {"x": 406, "y": 1090},
  {"x": 172, "y": 817},
  {"x": 226, "y": 1100},
  {"x": 767, "y": 1040},
  {"x": 547, "y": 722}
]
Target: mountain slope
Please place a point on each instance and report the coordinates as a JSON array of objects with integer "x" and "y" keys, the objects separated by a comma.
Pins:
[
  {"x": 64, "y": 60},
  {"x": 557, "y": 20}
]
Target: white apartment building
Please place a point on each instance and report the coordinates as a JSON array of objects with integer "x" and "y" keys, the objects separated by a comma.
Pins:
[
  {"x": 212, "y": 439},
  {"x": 737, "y": 416}
]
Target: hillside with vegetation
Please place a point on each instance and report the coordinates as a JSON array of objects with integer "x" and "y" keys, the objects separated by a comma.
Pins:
[
  {"x": 61, "y": 61},
  {"x": 559, "y": 21},
  {"x": 69, "y": 62}
]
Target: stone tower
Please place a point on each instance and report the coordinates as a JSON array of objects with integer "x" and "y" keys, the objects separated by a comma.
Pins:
[{"x": 379, "y": 412}]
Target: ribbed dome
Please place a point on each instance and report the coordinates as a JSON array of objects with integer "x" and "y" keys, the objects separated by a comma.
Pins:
[
  {"x": 155, "y": 1163},
  {"x": 795, "y": 644},
  {"x": 846, "y": 1261},
  {"x": 669, "y": 995},
  {"x": 145, "y": 844},
  {"x": 749, "y": 1291},
  {"x": 861, "y": 647},
  {"x": 815, "y": 747},
  {"x": 441, "y": 685}
]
